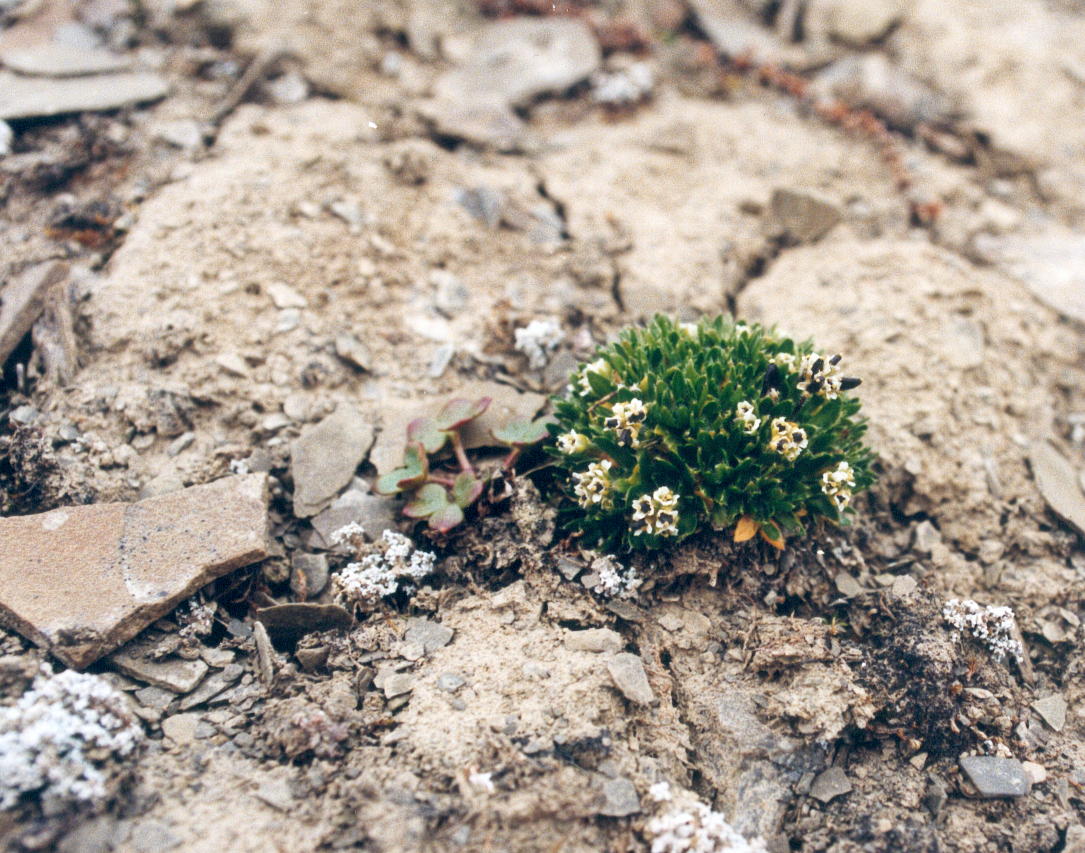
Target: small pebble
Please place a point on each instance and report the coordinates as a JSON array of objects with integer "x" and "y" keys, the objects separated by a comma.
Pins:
[
  {"x": 627, "y": 670},
  {"x": 450, "y": 681},
  {"x": 830, "y": 784},
  {"x": 1053, "y": 710},
  {"x": 995, "y": 777}
]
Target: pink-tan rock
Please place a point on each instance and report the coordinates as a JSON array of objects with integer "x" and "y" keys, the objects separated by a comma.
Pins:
[{"x": 82, "y": 580}]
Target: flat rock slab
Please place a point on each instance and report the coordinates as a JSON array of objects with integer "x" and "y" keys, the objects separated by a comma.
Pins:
[
  {"x": 995, "y": 777},
  {"x": 81, "y": 581},
  {"x": 57, "y": 59},
  {"x": 830, "y": 784},
  {"x": 1058, "y": 482},
  {"x": 323, "y": 460},
  {"x": 1052, "y": 266},
  {"x": 22, "y": 300},
  {"x": 515, "y": 61},
  {"x": 38, "y": 97}
]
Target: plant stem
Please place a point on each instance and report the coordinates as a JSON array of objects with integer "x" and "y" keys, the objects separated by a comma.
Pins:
[
  {"x": 461, "y": 454},
  {"x": 510, "y": 460}
]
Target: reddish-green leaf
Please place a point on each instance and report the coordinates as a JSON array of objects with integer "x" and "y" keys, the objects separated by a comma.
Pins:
[
  {"x": 446, "y": 518},
  {"x": 413, "y": 473},
  {"x": 466, "y": 490},
  {"x": 458, "y": 412},
  {"x": 520, "y": 432},
  {"x": 430, "y": 499},
  {"x": 426, "y": 432}
]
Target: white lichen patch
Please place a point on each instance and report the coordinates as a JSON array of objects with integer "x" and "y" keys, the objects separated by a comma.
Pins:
[
  {"x": 615, "y": 580},
  {"x": 380, "y": 574},
  {"x": 59, "y": 740},
  {"x": 692, "y": 827},
  {"x": 538, "y": 340},
  {"x": 994, "y": 626}
]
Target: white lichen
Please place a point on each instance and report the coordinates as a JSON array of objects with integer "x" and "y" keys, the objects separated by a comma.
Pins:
[
  {"x": 994, "y": 626},
  {"x": 381, "y": 574},
  {"x": 537, "y": 340},
  {"x": 623, "y": 88},
  {"x": 59, "y": 740},
  {"x": 660, "y": 792},
  {"x": 615, "y": 580},
  {"x": 694, "y": 828}
]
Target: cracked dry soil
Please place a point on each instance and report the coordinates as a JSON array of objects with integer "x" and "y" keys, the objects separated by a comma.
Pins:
[{"x": 767, "y": 670}]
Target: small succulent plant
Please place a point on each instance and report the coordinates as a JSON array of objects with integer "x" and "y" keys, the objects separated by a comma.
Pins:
[
  {"x": 681, "y": 427},
  {"x": 441, "y": 496}
]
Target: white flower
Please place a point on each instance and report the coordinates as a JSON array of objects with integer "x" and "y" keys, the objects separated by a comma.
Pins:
[
  {"x": 748, "y": 415},
  {"x": 573, "y": 442},
  {"x": 837, "y": 485},
  {"x": 689, "y": 328},
  {"x": 820, "y": 376},
  {"x": 656, "y": 514},
  {"x": 593, "y": 486},
  {"x": 660, "y": 792},
  {"x": 625, "y": 419},
  {"x": 598, "y": 366},
  {"x": 785, "y": 359},
  {"x": 788, "y": 438}
]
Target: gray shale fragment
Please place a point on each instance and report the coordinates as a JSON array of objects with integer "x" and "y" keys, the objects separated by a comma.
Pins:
[
  {"x": 830, "y": 784},
  {"x": 621, "y": 798},
  {"x": 1053, "y": 710},
  {"x": 1058, "y": 482},
  {"x": 627, "y": 670},
  {"x": 994, "y": 777},
  {"x": 323, "y": 460},
  {"x": 430, "y": 635},
  {"x": 801, "y": 216}
]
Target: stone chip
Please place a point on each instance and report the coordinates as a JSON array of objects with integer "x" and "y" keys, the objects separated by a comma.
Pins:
[
  {"x": 627, "y": 670},
  {"x": 994, "y": 777},
  {"x": 323, "y": 460}
]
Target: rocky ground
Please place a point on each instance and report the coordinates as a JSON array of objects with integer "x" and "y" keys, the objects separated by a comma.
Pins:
[{"x": 341, "y": 214}]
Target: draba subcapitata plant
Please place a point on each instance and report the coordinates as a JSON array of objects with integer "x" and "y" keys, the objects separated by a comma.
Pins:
[{"x": 681, "y": 427}]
